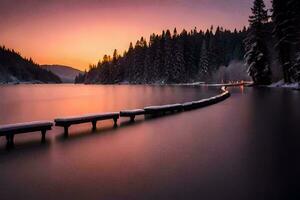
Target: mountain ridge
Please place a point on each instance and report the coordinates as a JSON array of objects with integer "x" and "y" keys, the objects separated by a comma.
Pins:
[{"x": 66, "y": 73}]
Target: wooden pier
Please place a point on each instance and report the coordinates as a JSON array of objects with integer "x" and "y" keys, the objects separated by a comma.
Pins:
[{"x": 9, "y": 131}]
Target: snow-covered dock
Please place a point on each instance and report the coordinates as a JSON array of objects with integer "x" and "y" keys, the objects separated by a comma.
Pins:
[
  {"x": 94, "y": 118},
  {"x": 153, "y": 110},
  {"x": 132, "y": 113},
  {"x": 9, "y": 131},
  {"x": 188, "y": 106},
  {"x": 206, "y": 102}
]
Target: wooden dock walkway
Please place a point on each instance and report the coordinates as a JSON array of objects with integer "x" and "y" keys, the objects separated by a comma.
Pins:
[{"x": 9, "y": 131}]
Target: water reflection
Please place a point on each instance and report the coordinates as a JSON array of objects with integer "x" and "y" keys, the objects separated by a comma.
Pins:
[{"x": 238, "y": 149}]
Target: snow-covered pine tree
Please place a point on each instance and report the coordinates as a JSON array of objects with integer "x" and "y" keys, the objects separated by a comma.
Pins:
[
  {"x": 154, "y": 67},
  {"x": 285, "y": 32},
  {"x": 114, "y": 67},
  {"x": 256, "y": 50},
  {"x": 147, "y": 66},
  {"x": 129, "y": 63},
  {"x": 168, "y": 56},
  {"x": 139, "y": 58},
  {"x": 295, "y": 69},
  {"x": 216, "y": 51},
  {"x": 189, "y": 60},
  {"x": 177, "y": 75},
  {"x": 203, "y": 61},
  {"x": 294, "y": 6},
  {"x": 158, "y": 61}
]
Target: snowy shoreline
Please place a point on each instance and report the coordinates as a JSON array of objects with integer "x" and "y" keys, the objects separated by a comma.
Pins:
[
  {"x": 25, "y": 83},
  {"x": 282, "y": 84},
  {"x": 279, "y": 84}
]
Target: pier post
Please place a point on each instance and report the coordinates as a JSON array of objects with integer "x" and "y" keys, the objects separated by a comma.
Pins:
[
  {"x": 43, "y": 140},
  {"x": 66, "y": 131},
  {"x": 7, "y": 142},
  {"x": 115, "y": 122},
  {"x": 94, "y": 123},
  {"x": 12, "y": 144},
  {"x": 132, "y": 118}
]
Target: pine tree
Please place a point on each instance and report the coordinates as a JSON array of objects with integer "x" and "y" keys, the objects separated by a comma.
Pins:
[
  {"x": 189, "y": 59},
  {"x": 295, "y": 69},
  {"x": 203, "y": 61},
  {"x": 294, "y": 6},
  {"x": 158, "y": 61},
  {"x": 168, "y": 56},
  {"x": 138, "y": 62},
  {"x": 286, "y": 31},
  {"x": 175, "y": 34},
  {"x": 153, "y": 60},
  {"x": 178, "y": 72},
  {"x": 256, "y": 50}
]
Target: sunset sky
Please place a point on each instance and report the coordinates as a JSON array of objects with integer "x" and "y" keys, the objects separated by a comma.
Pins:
[{"x": 79, "y": 32}]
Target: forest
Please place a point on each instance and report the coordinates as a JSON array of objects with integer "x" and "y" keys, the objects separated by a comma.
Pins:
[
  {"x": 271, "y": 41},
  {"x": 170, "y": 58},
  {"x": 15, "y": 68}
]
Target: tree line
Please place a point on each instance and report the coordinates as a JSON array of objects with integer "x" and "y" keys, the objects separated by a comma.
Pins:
[
  {"x": 13, "y": 67},
  {"x": 170, "y": 58}
]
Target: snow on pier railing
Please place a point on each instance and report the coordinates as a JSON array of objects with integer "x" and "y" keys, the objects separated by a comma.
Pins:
[{"x": 206, "y": 102}]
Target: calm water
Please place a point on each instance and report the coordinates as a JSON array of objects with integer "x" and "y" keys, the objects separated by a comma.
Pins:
[{"x": 246, "y": 147}]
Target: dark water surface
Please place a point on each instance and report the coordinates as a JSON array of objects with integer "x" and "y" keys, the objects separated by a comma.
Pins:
[{"x": 246, "y": 147}]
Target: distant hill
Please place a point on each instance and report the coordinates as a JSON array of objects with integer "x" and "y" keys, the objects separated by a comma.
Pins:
[
  {"x": 16, "y": 69},
  {"x": 67, "y": 74}
]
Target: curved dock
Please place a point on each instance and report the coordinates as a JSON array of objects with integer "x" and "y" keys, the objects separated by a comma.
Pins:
[{"x": 151, "y": 110}]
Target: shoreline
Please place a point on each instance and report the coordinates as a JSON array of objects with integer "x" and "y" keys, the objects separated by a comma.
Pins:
[{"x": 278, "y": 85}]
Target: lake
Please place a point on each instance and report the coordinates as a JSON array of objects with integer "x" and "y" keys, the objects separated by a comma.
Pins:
[{"x": 246, "y": 147}]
